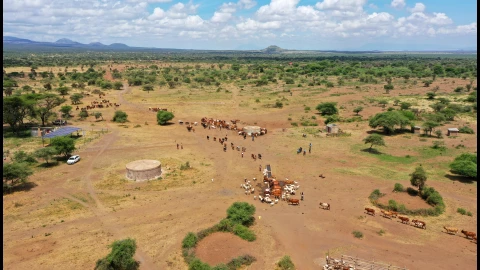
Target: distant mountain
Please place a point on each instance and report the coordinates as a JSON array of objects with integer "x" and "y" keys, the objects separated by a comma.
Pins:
[
  {"x": 21, "y": 43},
  {"x": 273, "y": 49}
]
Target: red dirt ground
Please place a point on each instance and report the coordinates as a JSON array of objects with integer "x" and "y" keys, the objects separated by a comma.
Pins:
[
  {"x": 221, "y": 247},
  {"x": 410, "y": 202}
]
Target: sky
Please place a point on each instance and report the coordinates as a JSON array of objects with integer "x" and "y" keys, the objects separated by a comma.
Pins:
[{"x": 249, "y": 24}]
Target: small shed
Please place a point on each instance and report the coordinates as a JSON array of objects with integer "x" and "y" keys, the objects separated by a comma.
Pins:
[
  {"x": 332, "y": 128},
  {"x": 452, "y": 131},
  {"x": 416, "y": 129}
]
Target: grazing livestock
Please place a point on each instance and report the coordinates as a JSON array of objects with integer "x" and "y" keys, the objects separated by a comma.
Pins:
[
  {"x": 325, "y": 206},
  {"x": 419, "y": 224},
  {"x": 387, "y": 214},
  {"x": 370, "y": 211},
  {"x": 451, "y": 230},
  {"x": 469, "y": 234},
  {"x": 294, "y": 201},
  {"x": 475, "y": 238},
  {"x": 404, "y": 220}
]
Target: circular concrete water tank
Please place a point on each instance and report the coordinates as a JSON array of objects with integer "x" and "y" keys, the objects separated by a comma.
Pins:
[
  {"x": 251, "y": 129},
  {"x": 142, "y": 170}
]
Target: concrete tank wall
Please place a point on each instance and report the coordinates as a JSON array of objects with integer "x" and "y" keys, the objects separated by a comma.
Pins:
[{"x": 144, "y": 174}]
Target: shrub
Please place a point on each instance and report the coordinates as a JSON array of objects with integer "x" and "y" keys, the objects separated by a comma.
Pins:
[
  {"x": 375, "y": 195},
  {"x": 469, "y": 214},
  {"x": 163, "y": 117},
  {"x": 244, "y": 233},
  {"x": 461, "y": 211},
  {"x": 465, "y": 165},
  {"x": 121, "y": 256},
  {"x": 220, "y": 267},
  {"x": 22, "y": 156},
  {"x": 381, "y": 232},
  {"x": 278, "y": 104},
  {"x": 226, "y": 225},
  {"x": 190, "y": 240},
  {"x": 241, "y": 260},
  {"x": 286, "y": 263},
  {"x": 185, "y": 166},
  {"x": 357, "y": 234},
  {"x": 327, "y": 108},
  {"x": 465, "y": 129},
  {"x": 206, "y": 232},
  {"x": 392, "y": 204},
  {"x": 398, "y": 187},
  {"x": 241, "y": 213},
  {"x": 120, "y": 117},
  {"x": 196, "y": 264}
]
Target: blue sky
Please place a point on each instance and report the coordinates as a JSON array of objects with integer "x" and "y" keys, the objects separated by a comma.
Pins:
[{"x": 249, "y": 24}]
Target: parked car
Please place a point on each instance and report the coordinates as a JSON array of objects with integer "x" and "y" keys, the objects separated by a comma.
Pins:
[
  {"x": 73, "y": 159},
  {"x": 60, "y": 122}
]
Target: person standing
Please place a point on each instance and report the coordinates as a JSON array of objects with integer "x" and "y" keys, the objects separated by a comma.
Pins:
[
  {"x": 177, "y": 146},
  {"x": 181, "y": 146},
  {"x": 260, "y": 168},
  {"x": 242, "y": 154},
  {"x": 304, "y": 152},
  {"x": 302, "y": 195}
]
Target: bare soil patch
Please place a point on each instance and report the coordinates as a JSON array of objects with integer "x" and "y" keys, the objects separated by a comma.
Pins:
[
  {"x": 221, "y": 247},
  {"x": 410, "y": 202}
]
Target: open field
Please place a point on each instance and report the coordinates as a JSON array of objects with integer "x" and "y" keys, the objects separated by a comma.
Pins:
[{"x": 74, "y": 212}]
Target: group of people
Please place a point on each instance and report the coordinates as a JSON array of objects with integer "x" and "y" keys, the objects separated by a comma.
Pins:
[
  {"x": 180, "y": 145},
  {"x": 305, "y": 151}
]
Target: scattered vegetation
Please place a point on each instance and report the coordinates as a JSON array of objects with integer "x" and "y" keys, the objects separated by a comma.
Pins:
[
  {"x": 286, "y": 263},
  {"x": 357, "y": 234},
  {"x": 121, "y": 256}
]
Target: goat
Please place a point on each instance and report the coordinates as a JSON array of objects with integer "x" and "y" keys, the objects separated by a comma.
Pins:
[{"x": 451, "y": 230}]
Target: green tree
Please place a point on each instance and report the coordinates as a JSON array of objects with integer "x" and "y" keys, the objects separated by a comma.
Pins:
[
  {"x": 83, "y": 114},
  {"x": 438, "y": 106},
  {"x": 163, "y": 117},
  {"x": 418, "y": 178},
  {"x": 65, "y": 110},
  {"x": 389, "y": 120},
  {"x": 327, "y": 108},
  {"x": 120, "y": 117},
  {"x": 383, "y": 102},
  {"x": 465, "y": 165},
  {"x": 438, "y": 133},
  {"x": 121, "y": 256},
  {"x": 76, "y": 98},
  {"x": 15, "y": 174},
  {"x": 45, "y": 153},
  {"x": 431, "y": 95},
  {"x": 98, "y": 115},
  {"x": 45, "y": 105},
  {"x": 358, "y": 109},
  {"x": 148, "y": 88},
  {"x": 374, "y": 139},
  {"x": 15, "y": 109},
  {"x": 63, "y": 90},
  {"x": 241, "y": 213},
  {"x": 388, "y": 87},
  {"x": 117, "y": 85},
  {"x": 429, "y": 126},
  {"x": 63, "y": 145},
  {"x": 405, "y": 105}
]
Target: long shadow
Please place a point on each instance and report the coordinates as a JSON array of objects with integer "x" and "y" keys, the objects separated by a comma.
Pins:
[
  {"x": 461, "y": 179},
  {"x": 49, "y": 165},
  {"x": 25, "y": 187},
  {"x": 371, "y": 151}
]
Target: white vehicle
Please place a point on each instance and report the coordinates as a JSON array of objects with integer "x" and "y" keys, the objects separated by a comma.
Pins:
[{"x": 73, "y": 159}]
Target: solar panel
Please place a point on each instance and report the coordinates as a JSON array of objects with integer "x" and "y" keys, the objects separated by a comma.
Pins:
[{"x": 61, "y": 132}]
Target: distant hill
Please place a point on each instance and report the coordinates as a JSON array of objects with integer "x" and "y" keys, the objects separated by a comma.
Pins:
[
  {"x": 21, "y": 43},
  {"x": 273, "y": 49}
]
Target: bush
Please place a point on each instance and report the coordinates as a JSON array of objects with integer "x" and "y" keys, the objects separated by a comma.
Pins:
[
  {"x": 392, "y": 204},
  {"x": 375, "y": 195},
  {"x": 286, "y": 263},
  {"x": 120, "y": 117},
  {"x": 465, "y": 165},
  {"x": 206, "y": 232},
  {"x": 121, "y": 256},
  {"x": 461, "y": 211},
  {"x": 241, "y": 213},
  {"x": 163, "y": 117},
  {"x": 190, "y": 240},
  {"x": 241, "y": 260},
  {"x": 221, "y": 267},
  {"x": 278, "y": 104},
  {"x": 327, "y": 108},
  {"x": 22, "y": 156},
  {"x": 244, "y": 233},
  {"x": 469, "y": 214},
  {"x": 357, "y": 234},
  {"x": 226, "y": 225},
  {"x": 466, "y": 130},
  {"x": 398, "y": 187},
  {"x": 196, "y": 264},
  {"x": 185, "y": 166}
]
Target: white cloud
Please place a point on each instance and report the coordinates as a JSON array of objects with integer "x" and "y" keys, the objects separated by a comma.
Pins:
[
  {"x": 398, "y": 4},
  {"x": 350, "y": 5},
  {"x": 419, "y": 7},
  {"x": 135, "y": 23}
]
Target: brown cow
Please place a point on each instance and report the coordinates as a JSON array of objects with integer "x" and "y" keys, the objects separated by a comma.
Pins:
[
  {"x": 469, "y": 234},
  {"x": 405, "y": 220},
  {"x": 370, "y": 211},
  {"x": 387, "y": 214},
  {"x": 451, "y": 230},
  {"x": 294, "y": 201},
  {"x": 419, "y": 224},
  {"x": 475, "y": 238}
]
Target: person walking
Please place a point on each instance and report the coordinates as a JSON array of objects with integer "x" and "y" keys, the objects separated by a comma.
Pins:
[
  {"x": 177, "y": 146},
  {"x": 302, "y": 195},
  {"x": 242, "y": 154},
  {"x": 304, "y": 152},
  {"x": 260, "y": 168},
  {"x": 181, "y": 146}
]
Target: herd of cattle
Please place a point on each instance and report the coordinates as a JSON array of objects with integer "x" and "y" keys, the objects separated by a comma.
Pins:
[{"x": 419, "y": 223}]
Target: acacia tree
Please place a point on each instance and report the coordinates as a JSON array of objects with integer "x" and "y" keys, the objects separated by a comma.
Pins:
[
  {"x": 15, "y": 109},
  {"x": 358, "y": 109},
  {"x": 17, "y": 173},
  {"x": 418, "y": 178},
  {"x": 98, "y": 115},
  {"x": 465, "y": 165},
  {"x": 63, "y": 145},
  {"x": 121, "y": 256},
  {"x": 76, "y": 98},
  {"x": 374, "y": 139},
  {"x": 163, "y": 117},
  {"x": 46, "y": 153},
  {"x": 327, "y": 108},
  {"x": 388, "y": 120},
  {"x": 65, "y": 110},
  {"x": 45, "y": 105}
]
